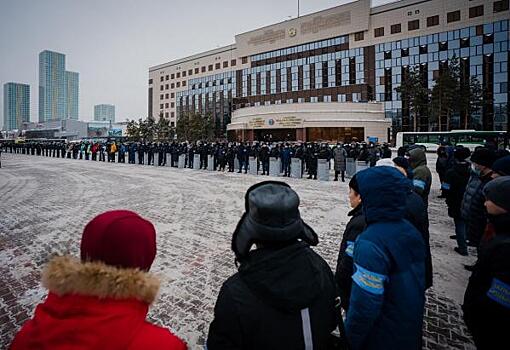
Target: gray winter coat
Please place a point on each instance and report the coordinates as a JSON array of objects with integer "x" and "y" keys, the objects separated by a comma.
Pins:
[{"x": 339, "y": 156}]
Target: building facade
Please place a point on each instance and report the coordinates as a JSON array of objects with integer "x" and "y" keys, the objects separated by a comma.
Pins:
[
  {"x": 104, "y": 112},
  {"x": 58, "y": 88},
  {"x": 72, "y": 81},
  {"x": 16, "y": 105},
  {"x": 347, "y": 54}
]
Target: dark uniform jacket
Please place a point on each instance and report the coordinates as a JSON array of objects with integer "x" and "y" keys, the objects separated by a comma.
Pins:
[
  {"x": 487, "y": 299},
  {"x": 344, "y": 265},
  {"x": 456, "y": 180},
  {"x": 261, "y": 306}
]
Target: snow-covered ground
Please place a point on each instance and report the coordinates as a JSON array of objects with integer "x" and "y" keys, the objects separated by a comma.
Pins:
[{"x": 46, "y": 202}]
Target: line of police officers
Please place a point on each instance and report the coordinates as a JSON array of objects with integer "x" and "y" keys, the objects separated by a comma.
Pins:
[{"x": 224, "y": 154}]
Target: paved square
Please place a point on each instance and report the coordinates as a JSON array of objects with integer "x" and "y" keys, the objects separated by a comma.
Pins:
[{"x": 45, "y": 203}]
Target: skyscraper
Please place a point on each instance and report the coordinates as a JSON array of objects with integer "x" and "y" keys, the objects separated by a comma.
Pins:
[
  {"x": 58, "y": 88},
  {"x": 52, "y": 86},
  {"x": 104, "y": 112},
  {"x": 72, "y": 83},
  {"x": 16, "y": 105}
]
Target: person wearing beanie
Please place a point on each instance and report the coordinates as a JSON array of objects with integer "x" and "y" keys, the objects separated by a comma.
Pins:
[
  {"x": 402, "y": 164},
  {"x": 101, "y": 300},
  {"x": 454, "y": 187},
  {"x": 472, "y": 208},
  {"x": 502, "y": 166},
  {"x": 487, "y": 299},
  {"x": 422, "y": 178},
  {"x": 284, "y": 294},
  {"x": 355, "y": 226},
  {"x": 388, "y": 290}
]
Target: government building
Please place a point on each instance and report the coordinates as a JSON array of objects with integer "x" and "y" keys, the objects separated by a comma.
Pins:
[{"x": 332, "y": 75}]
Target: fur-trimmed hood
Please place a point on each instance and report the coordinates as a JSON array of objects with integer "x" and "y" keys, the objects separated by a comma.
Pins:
[{"x": 68, "y": 275}]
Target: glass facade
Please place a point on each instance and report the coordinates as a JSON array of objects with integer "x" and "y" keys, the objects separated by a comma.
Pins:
[
  {"x": 72, "y": 92},
  {"x": 330, "y": 71},
  {"x": 482, "y": 52},
  {"x": 104, "y": 112},
  {"x": 52, "y": 86},
  {"x": 58, "y": 88},
  {"x": 16, "y": 105}
]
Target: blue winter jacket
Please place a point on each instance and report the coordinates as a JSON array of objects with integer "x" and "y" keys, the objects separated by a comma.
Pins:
[{"x": 388, "y": 293}]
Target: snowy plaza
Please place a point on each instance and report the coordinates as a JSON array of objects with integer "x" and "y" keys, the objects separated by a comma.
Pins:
[{"x": 46, "y": 202}]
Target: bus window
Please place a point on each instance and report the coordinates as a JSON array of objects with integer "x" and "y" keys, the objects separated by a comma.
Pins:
[
  {"x": 434, "y": 139},
  {"x": 409, "y": 139},
  {"x": 423, "y": 139}
]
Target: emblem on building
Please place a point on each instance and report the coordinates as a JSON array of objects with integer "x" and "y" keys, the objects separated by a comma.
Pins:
[
  {"x": 270, "y": 121},
  {"x": 292, "y": 32}
]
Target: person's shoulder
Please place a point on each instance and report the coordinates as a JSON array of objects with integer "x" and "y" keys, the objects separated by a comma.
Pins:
[{"x": 155, "y": 337}]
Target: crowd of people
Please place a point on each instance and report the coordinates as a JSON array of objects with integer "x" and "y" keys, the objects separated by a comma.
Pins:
[
  {"x": 284, "y": 295},
  {"x": 225, "y": 155}
]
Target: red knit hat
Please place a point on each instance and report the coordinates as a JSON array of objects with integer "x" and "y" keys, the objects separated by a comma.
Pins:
[{"x": 119, "y": 238}]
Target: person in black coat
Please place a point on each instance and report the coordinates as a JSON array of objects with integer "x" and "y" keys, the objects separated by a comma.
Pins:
[
  {"x": 454, "y": 187},
  {"x": 284, "y": 294},
  {"x": 356, "y": 225},
  {"x": 487, "y": 299}
]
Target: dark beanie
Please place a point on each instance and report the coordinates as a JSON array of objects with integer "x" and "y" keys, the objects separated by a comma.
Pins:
[
  {"x": 119, "y": 238},
  {"x": 401, "y": 162},
  {"x": 354, "y": 184},
  {"x": 502, "y": 166},
  {"x": 461, "y": 153},
  {"x": 483, "y": 156},
  {"x": 498, "y": 192}
]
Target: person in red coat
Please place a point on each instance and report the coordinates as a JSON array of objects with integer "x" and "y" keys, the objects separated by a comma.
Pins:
[{"x": 101, "y": 300}]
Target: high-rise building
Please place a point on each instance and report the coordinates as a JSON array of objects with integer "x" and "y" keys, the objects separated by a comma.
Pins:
[
  {"x": 16, "y": 105},
  {"x": 307, "y": 78},
  {"x": 72, "y": 93},
  {"x": 104, "y": 112},
  {"x": 52, "y": 86},
  {"x": 58, "y": 88}
]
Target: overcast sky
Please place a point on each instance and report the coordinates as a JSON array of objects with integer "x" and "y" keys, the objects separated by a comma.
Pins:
[{"x": 112, "y": 43}]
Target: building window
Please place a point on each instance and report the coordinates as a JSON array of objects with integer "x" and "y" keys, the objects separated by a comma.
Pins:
[
  {"x": 476, "y": 11},
  {"x": 500, "y": 6},
  {"x": 161, "y": 106},
  {"x": 178, "y": 75},
  {"x": 150, "y": 81},
  {"x": 404, "y": 52},
  {"x": 413, "y": 25},
  {"x": 432, "y": 21},
  {"x": 162, "y": 87},
  {"x": 210, "y": 68},
  {"x": 244, "y": 60},
  {"x": 172, "y": 86},
  {"x": 167, "y": 95},
  {"x": 233, "y": 62},
  {"x": 167, "y": 86},
  {"x": 359, "y": 36},
  {"x": 423, "y": 49},
  {"x": 217, "y": 66},
  {"x": 387, "y": 55},
  {"x": 197, "y": 70},
  {"x": 464, "y": 42},
  {"x": 172, "y": 124},
  {"x": 183, "y": 74},
  {"x": 203, "y": 69},
  {"x": 172, "y": 105},
  {"x": 162, "y": 78},
  {"x": 161, "y": 96},
  {"x": 379, "y": 32},
  {"x": 396, "y": 28},
  {"x": 172, "y": 76},
  {"x": 184, "y": 83},
  {"x": 166, "y": 105},
  {"x": 172, "y": 95},
  {"x": 225, "y": 64},
  {"x": 178, "y": 84},
  {"x": 443, "y": 46},
  {"x": 166, "y": 115},
  {"x": 453, "y": 16},
  {"x": 190, "y": 71},
  {"x": 166, "y": 77}
]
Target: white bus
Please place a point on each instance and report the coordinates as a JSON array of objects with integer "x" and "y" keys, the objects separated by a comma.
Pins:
[{"x": 467, "y": 138}]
